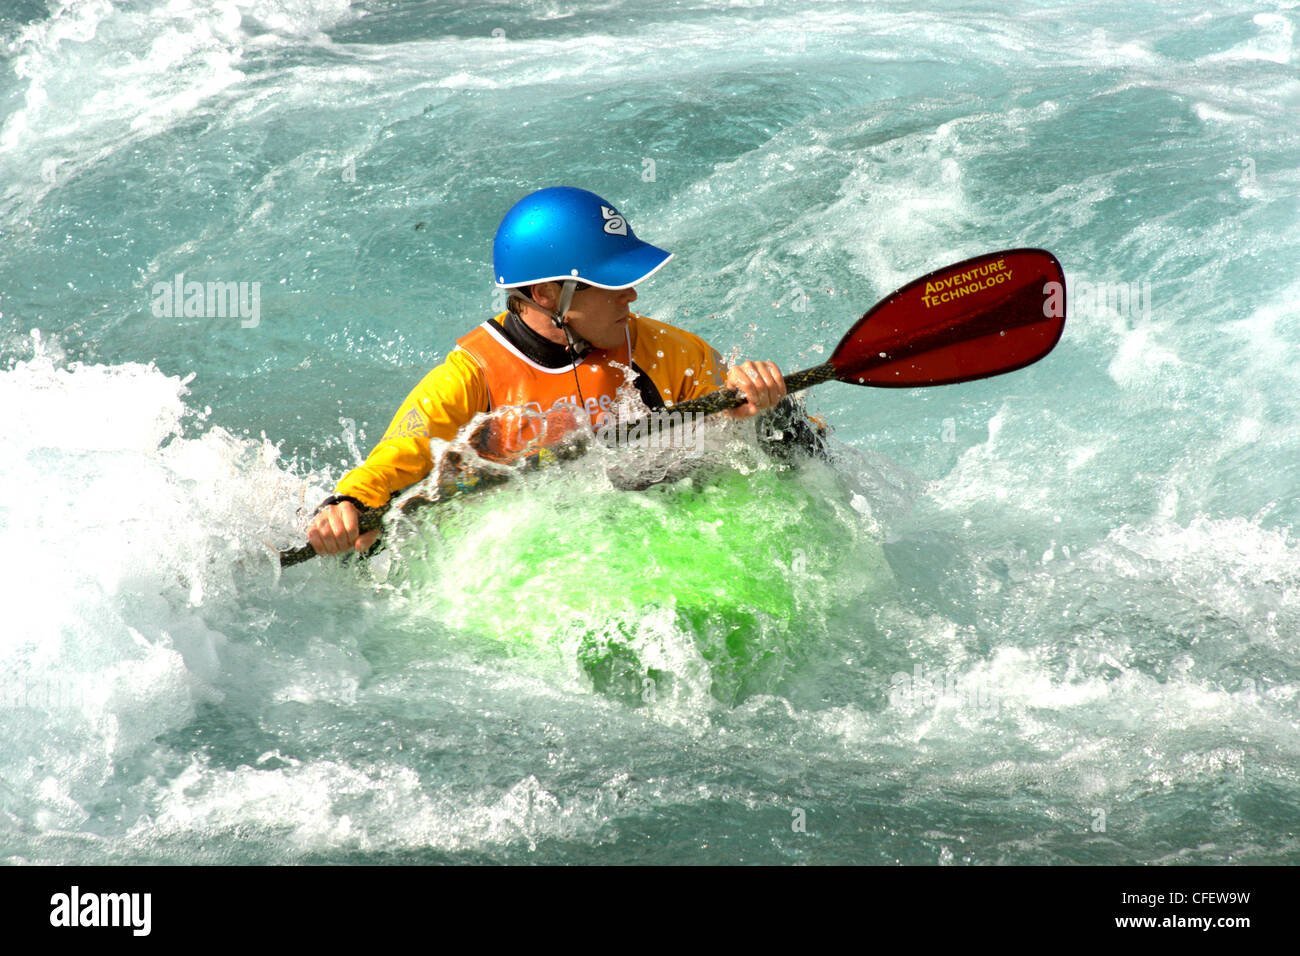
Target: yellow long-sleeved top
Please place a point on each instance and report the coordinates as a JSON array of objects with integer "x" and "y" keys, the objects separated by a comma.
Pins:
[{"x": 679, "y": 365}]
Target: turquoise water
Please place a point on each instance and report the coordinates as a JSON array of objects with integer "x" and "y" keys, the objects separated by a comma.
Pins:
[{"x": 1083, "y": 647}]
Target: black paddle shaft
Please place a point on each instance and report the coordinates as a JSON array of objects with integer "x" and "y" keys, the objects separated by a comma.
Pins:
[
  {"x": 459, "y": 478},
  {"x": 368, "y": 520},
  {"x": 726, "y": 398}
]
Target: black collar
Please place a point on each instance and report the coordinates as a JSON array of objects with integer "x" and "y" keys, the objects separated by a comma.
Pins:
[{"x": 544, "y": 352}]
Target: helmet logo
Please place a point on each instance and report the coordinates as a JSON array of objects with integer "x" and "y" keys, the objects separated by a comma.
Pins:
[{"x": 615, "y": 224}]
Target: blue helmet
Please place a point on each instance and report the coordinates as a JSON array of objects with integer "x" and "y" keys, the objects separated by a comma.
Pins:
[{"x": 563, "y": 233}]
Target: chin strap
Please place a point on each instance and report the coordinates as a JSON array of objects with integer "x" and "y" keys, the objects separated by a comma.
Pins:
[
  {"x": 562, "y": 307},
  {"x": 566, "y": 299},
  {"x": 576, "y": 343}
]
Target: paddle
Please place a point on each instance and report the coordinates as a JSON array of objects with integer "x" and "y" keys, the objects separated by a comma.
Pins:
[
  {"x": 977, "y": 318},
  {"x": 974, "y": 319}
]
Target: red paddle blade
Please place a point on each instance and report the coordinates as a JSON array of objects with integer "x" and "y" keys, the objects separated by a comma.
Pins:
[{"x": 984, "y": 316}]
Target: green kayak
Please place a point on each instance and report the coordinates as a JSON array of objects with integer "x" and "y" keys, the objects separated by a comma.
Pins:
[{"x": 718, "y": 585}]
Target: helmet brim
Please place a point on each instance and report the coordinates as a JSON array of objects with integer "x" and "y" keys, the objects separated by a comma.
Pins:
[
  {"x": 635, "y": 265},
  {"x": 619, "y": 272}
]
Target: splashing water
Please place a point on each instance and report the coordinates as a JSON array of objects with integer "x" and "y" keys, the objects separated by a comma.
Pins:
[{"x": 1049, "y": 617}]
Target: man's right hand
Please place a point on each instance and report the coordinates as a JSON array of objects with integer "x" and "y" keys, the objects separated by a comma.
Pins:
[{"x": 337, "y": 528}]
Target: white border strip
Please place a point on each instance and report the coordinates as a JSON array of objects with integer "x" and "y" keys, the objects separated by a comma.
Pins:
[{"x": 611, "y": 288}]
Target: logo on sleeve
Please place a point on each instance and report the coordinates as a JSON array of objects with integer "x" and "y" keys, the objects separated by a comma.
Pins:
[
  {"x": 411, "y": 426},
  {"x": 615, "y": 224}
]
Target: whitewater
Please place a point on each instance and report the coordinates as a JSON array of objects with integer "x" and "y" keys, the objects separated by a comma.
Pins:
[{"x": 1048, "y": 617}]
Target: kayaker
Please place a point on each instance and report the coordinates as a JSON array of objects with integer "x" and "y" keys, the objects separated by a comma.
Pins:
[{"x": 570, "y": 262}]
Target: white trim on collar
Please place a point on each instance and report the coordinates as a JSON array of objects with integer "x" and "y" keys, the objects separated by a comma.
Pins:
[
  {"x": 493, "y": 331},
  {"x": 502, "y": 340}
]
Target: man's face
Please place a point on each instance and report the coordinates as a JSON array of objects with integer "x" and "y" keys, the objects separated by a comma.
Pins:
[{"x": 601, "y": 315}]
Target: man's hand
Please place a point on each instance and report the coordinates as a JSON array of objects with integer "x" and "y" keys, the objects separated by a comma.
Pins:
[
  {"x": 337, "y": 529},
  {"x": 762, "y": 384}
]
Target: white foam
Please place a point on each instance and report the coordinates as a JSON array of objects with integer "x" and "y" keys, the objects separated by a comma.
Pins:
[
  {"x": 119, "y": 527},
  {"x": 99, "y": 76},
  {"x": 1274, "y": 43},
  {"x": 333, "y": 806},
  {"x": 1246, "y": 574}
]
